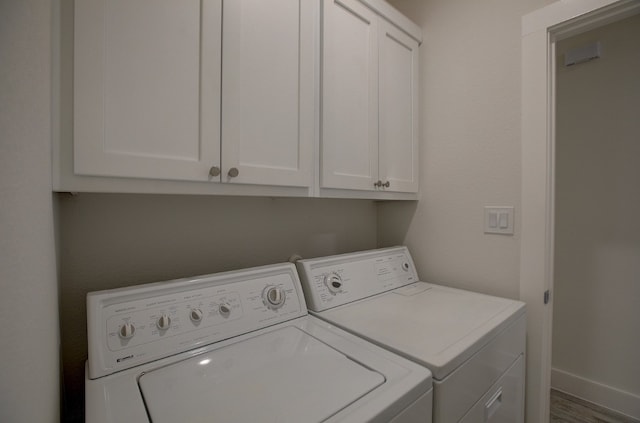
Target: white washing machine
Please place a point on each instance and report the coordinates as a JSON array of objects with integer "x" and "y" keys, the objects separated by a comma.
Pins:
[
  {"x": 238, "y": 347},
  {"x": 473, "y": 344}
]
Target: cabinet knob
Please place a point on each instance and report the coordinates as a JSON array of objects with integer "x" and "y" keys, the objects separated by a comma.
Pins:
[
  {"x": 386, "y": 184},
  {"x": 214, "y": 171},
  {"x": 233, "y": 172},
  {"x": 377, "y": 184}
]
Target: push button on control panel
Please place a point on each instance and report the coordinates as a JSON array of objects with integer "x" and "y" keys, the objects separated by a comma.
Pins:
[{"x": 224, "y": 309}]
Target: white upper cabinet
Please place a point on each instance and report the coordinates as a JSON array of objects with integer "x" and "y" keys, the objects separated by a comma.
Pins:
[
  {"x": 268, "y": 107},
  {"x": 229, "y": 97},
  {"x": 398, "y": 110},
  {"x": 349, "y": 96},
  {"x": 155, "y": 98},
  {"x": 147, "y": 88},
  {"x": 369, "y": 100}
]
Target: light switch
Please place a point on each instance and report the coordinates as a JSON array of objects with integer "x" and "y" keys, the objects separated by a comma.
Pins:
[
  {"x": 493, "y": 220},
  {"x": 504, "y": 220},
  {"x": 498, "y": 220}
]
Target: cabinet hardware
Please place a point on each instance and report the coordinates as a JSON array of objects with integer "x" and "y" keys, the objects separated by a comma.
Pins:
[
  {"x": 386, "y": 184},
  {"x": 377, "y": 184},
  {"x": 233, "y": 172},
  {"x": 214, "y": 171}
]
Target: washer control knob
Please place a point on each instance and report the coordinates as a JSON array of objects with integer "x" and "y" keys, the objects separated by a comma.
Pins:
[
  {"x": 333, "y": 281},
  {"x": 196, "y": 315},
  {"x": 164, "y": 322},
  {"x": 127, "y": 330},
  {"x": 224, "y": 309},
  {"x": 274, "y": 297}
]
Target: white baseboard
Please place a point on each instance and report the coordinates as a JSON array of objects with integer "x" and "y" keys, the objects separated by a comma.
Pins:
[{"x": 597, "y": 393}]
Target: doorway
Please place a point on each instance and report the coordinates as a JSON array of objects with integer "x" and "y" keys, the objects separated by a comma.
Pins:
[
  {"x": 597, "y": 235},
  {"x": 541, "y": 30}
]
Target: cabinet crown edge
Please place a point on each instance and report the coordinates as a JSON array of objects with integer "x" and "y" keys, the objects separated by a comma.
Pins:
[{"x": 395, "y": 17}]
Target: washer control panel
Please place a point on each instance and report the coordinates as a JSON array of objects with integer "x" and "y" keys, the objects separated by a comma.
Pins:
[
  {"x": 332, "y": 281},
  {"x": 131, "y": 326},
  {"x": 159, "y": 318}
]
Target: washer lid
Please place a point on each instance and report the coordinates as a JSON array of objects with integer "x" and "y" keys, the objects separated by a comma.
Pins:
[{"x": 281, "y": 376}]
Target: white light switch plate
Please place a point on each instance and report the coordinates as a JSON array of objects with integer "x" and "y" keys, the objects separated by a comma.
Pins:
[{"x": 498, "y": 220}]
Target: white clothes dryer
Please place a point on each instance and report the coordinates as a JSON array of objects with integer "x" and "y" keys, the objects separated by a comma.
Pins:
[
  {"x": 238, "y": 347},
  {"x": 473, "y": 344}
]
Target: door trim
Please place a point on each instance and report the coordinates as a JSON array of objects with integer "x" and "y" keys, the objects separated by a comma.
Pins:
[{"x": 541, "y": 30}]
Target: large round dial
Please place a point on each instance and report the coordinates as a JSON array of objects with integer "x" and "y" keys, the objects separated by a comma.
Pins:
[
  {"x": 274, "y": 297},
  {"x": 333, "y": 281},
  {"x": 164, "y": 322},
  {"x": 127, "y": 330}
]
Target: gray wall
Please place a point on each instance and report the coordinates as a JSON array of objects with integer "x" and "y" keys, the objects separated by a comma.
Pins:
[
  {"x": 596, "y": 317},
  {"x": 470, "y": 144},
  {"x": 114, "y": 240},
  {"x": 29, "y": 375}
]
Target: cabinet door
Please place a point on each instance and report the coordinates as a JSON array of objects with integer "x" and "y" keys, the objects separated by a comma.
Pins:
[
  {"x": 268, "y": 101},
  {"x": 147, "y": 88},
  {"x": 350, "y": 96},
  {"x": 398, "y": 118}
]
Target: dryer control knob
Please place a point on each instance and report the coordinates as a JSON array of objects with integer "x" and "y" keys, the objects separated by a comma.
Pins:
[
  {"x": 127, "y": 330},
  {"x": 224, "y": 309},
  {"x": 196, "y": 315},
  {"x": 274, "y": 297},
  {"x": 334, "y": 282},
  {"x": 164, "y": 322}
]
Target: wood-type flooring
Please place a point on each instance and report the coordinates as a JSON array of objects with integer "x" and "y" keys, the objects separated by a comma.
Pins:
[{"x": 566, "y": 408}]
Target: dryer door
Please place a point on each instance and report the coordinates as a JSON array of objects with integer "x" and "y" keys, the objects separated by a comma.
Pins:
[{"x": 281, "y": 376}]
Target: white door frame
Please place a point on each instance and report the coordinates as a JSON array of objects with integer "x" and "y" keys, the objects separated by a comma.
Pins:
[{"x": 540, "y": 32}]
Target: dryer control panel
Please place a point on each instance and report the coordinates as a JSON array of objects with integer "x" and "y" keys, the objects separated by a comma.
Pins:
[
  {"x": 336, "y": 280},
  {"x": 131, "y": 326}
]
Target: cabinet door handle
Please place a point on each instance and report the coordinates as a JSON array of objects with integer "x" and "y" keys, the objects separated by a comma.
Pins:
[
  {"x": 386, "y": 184},
  {"x": 214, "y": 171},
  {"x": 233, "y": 172},
  {"x": 377, "y": 184}
]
